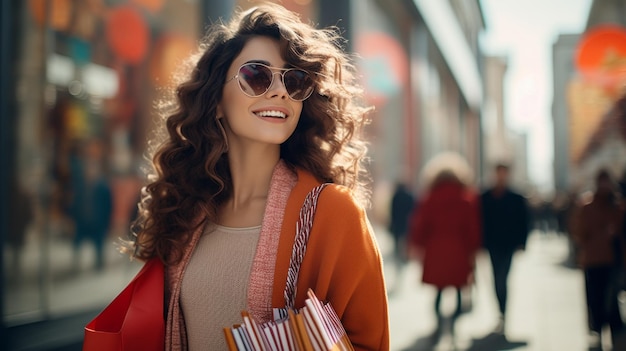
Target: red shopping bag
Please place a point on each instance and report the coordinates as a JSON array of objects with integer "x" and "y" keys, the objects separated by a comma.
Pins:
[{"x": 134, "y": 319}]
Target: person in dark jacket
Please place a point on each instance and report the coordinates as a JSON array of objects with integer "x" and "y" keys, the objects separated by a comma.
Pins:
[
  {"x": 402, "y": 203},
  {"x": 92, "y": 202},
  {"x": 505, "y": 223}
]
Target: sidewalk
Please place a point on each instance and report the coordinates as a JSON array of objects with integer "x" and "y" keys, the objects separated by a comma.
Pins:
[{"x": 546, "y": 307}]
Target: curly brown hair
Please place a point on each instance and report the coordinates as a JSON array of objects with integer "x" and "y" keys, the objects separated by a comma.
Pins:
[{"x": 191, "y": 179}]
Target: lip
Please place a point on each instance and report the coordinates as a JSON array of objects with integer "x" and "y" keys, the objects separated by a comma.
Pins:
[{"x": 272, "y": 108}]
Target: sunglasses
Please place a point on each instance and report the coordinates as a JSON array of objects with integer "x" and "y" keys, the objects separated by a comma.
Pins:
[{"x": 255, "y": 79}]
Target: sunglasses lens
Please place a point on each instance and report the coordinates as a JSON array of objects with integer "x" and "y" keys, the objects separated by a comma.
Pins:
[
  {"x": 254, "y": 79},
  {"x": 299, "y": 84}
]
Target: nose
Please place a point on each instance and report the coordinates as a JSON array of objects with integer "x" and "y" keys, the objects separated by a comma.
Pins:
[{"x": 277, "y": 88}]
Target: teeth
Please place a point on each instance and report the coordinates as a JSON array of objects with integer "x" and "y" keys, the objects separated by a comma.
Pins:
[{"x": 276, "y": 114}]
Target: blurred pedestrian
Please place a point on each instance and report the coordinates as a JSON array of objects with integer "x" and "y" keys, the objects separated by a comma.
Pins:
[
  {"x": 402, "y": 203},
  {"x": 544, "y": 218},
  {"x": 445, "y": 230},
  {"x": 22, "y": 217},
  {"x": 562, "y": 204},
  {"x": 597, "y": 232},
  {"x": 622, "y": 190},
  {"x": 92, "y": 202},
  {"x": 505, "y": 223}
]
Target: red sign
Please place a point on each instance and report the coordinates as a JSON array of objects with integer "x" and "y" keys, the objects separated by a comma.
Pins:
[
  {"x": 601, "y": 56},
  {"x": 127, "y": 33}
]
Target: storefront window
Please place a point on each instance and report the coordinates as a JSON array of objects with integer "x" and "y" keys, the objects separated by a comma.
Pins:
[{"x": 88, "y": 73}]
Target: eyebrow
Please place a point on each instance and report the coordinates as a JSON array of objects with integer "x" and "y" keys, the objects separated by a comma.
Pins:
[{"x": 267, "y": 63}]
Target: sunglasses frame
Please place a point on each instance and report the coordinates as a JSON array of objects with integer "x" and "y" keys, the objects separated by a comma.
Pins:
[{"x": 282, "y": 72}]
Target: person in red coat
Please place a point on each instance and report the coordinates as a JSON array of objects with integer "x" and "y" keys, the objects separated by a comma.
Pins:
[{"x": 445, "y": 234}]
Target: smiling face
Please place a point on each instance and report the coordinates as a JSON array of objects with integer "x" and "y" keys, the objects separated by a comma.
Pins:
[{"x": 270, "y": 118}]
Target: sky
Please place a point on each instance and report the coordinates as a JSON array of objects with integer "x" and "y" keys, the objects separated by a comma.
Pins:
[{"x": 524, "y": 31}]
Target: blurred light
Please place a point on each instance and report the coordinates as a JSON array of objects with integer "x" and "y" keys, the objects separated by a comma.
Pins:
[
  {"x": 384, "y": 64},
  {"x": 96, "y": 80},
  {"x": 59, "y": 70},
  {"x": 127, "y": 32},
  {"x": 75, "y": 88},
  {"x": 55, "y": 13},
  {"x": 100, "y": 80},
  {"x": 153, "y": 6}
]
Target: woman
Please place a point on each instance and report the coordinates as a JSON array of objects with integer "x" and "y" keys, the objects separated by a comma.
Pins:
[
  {"x": 267, "y": 114},
  {"x": 445, "y": 230}
]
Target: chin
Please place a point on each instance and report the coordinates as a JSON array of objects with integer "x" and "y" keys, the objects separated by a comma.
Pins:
[{"x": 274, "y": 139}]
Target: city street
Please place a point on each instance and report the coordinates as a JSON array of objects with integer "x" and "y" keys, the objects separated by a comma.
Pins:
[{"x": 546, "y": 308}]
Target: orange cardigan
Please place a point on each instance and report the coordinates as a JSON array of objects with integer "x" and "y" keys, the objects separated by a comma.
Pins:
[{"x": 342, "y": 263}]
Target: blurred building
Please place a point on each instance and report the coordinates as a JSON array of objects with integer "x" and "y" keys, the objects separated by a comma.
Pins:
[
  {"x": 501, "y": 144},
  {"x": 422, "y": 69},
  {"x": 563, "y": 51},
  {"x": 520, "y": 178},
  {"x": 75, "y": 72},
  {"x": 606, "y": 147},
  {"x": 496, "y": 143},
  {"x": 607, "y": 11},
  {"x": 606, "y": 144},
  {"x": 586, "y": 95}
]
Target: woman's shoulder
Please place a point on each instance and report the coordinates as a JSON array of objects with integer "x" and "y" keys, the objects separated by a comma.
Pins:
[
  {"x": 339, "y": 201},
  {"x": 336, "y": 203},
  {"x": 338, "y": 208},
  {"x": 332, "y": 193}
]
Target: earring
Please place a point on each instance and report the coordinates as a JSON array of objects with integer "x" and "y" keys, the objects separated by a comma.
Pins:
[{"x": 219, "y": 123}]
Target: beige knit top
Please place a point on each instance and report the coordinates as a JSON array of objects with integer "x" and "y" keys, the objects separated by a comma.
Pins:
[{"x": 215, "y": 285}]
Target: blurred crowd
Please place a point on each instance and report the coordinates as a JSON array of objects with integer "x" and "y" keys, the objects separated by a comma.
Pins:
[{"x": 448, "y": 221}]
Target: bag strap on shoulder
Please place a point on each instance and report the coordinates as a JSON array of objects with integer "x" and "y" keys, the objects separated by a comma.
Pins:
[{"x": 303, "y": 230}]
